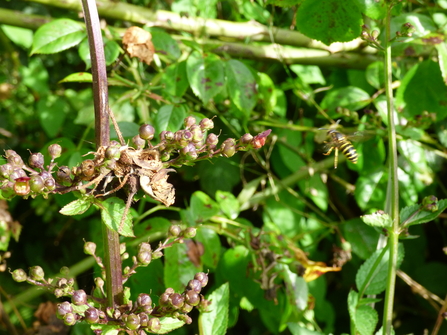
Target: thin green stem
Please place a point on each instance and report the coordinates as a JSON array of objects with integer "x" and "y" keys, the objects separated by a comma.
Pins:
[{"x": 393, "y": 186}]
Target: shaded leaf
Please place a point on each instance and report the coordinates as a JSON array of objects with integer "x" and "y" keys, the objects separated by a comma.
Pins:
[
  {"x": 112, "y": 210},
  {"x": 241, "y": 86},
  {"x": 215, "y": 321}
]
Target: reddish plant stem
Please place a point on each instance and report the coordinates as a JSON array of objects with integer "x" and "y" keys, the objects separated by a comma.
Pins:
[{"x": 112, "y": 259}]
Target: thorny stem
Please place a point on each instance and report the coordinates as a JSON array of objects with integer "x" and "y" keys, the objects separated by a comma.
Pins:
[
  {"x": 393, "y": 186},
  {"x": 112, "y": 259}
]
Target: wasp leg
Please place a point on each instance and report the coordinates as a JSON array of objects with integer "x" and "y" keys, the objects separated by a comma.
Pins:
[
  {"x": 336, "y": 158},
  {"x": 329, "y": 151}
]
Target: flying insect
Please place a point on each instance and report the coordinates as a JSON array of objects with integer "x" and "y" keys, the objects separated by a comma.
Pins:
[{"x": 339, "y": 141}]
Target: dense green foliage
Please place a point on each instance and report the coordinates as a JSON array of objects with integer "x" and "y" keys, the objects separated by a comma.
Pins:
[{"x": 280, "y": 225}]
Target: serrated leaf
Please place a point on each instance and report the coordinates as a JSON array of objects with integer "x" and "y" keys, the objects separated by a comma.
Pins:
[
  {"x": 366, "y": 320},
  {"x": 112, "y": 210},
  {"x": 57, "y": 35},
  {"x": 353, "y": 298},
  {"x": 215, "y": 320},
  {"x": 442, "y": 59},
  {"x": 329, "y": 21},
  {"x": 78, "y": 77},
  {"x": 228, "y": 204},
  {"x": 375, "y": 282},
  {"x": 381, "y": 220},
  {"x": 363, "y": 238},
  {"x": 206, "y": 75},
  {"x": 77, "y": 207},
  {"x": 202, "y": 207},
  {"x": 414, "y": 214},
  {"x": 374, "y": 9},
  {"x": 169, "y": 324},
  {"x": 165, "y": 44},
  {"x": 107, "y": 329},
  {"x": 241, "y": 86}
]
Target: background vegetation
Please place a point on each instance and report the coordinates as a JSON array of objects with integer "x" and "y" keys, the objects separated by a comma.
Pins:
[{"x": 280, "y": 225}]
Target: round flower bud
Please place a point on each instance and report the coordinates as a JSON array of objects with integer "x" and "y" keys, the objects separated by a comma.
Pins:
[
  {"x": 154, "y": 325},
  {"x": 70, "y": 319},
  {"x": 36, "y": 160},
  {"x": 8, "y": 190},
  {"x": 192, "y": 298},
  {"x": 79, "y": 298},
  {"x": 177, "y": 300},
  {"x": 50, "y": 184},
  {"x": 14, "y": 159},
  {"x": 211, "y": 141},
  {"x": 62, "y": 283},
  {"x": 91, "y": 315},
  {"x": 197, "y": 133},
  {"x": 55, "y": 150},
  {"x": 87, "y": 169},
  {"x": 63, "y": 175},
  {"x": 146, "y": 132},
  {"x": 36, "y": 183},
  {"x": 164, "y": 299},
  {"x": 138, "y": 142},
  {"x": 63, "y": 309},
  {"x": 157, "y": 254},
  {"x": 206, "y": 124},
  {"x": 19, "y": 275},
  {"x": 16, "y": 174},
  {"x": 89, "y": 248},
  {"x": 194, "y": 285},
  {"x": 246, "y": 139},
  {"x": 112, "y": 152},
  {"x": 144, "y": 255},
  {"x": 189, "y": 232},
  {"x": 36, "y": 273},
  {"x": 144, "y": 299},
  {"x": 186, "y": 308},
  {"x": 6, "y": 170},
  {"x": 58, "y": 293},
  {"x": 64, "y": 270},
  {"x": 228, "y": 148},
  {"x": 132, "y": 321},
  {"x": 144, "y": 319},
  {"x": 99, "y": 282},
  {"x": 202, "y": 278},
  {"x": 189, "y": 121},
  {"x": 174, "y": 231},
  {"x": 189, "y": 151}
]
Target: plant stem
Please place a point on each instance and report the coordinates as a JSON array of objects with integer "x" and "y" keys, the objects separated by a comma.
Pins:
[
  {"x": 393, "y": 185},
  {"x": 112, "y": 258}
]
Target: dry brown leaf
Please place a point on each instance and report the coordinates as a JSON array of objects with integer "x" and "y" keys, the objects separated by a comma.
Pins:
[{"x": 138, "y": 43}]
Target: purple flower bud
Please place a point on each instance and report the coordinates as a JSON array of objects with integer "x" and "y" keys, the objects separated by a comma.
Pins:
[
  {"x": 192, "y": 298},
  {"x": 186, "y": 308},
  {"x": 144, "y": 299},
  {"x": 79, "y": 298},
  {"x": 166, "y": 136},
  {"x": 194, "y": 285},
  {"x": 163, "y": 300},
  {"x": 91, "y": 315},
  {"x": 189, "y": 121},
  {"x": 206, "y": 124},
  {"x": 202, "y": 277},
  {"x": 147, "y": 132},
  {"x": 138, "y": 142},
  {"x": 144, "y": 320},
  {"x": 197, "y": 134},
  {"x": 259, "y": 140},
  {"x": 63, "y": 309},
  {"x": 50, "y": 184},
  {"x": 14, "y": 159},
  {"x": 112, "y": 152},
  {"x": 189, "y": 152},
  {"x": 63, "y": 175},
  {"x": 36, "y": 160},
  {"x": 211, "y": 141},
  {"x": 55, "y": 150},
  {"x": 177, "y": 300},
  {"x": 6, "y": 170},
  {"x": 16, "y": 174},
  {"x": 70, "y": 319},
  {"x": 246, "y": 139},
  {"x": 19, "y": 275}
]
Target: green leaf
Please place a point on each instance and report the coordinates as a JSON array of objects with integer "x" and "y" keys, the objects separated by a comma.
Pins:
[
  {"x": 370, "y": 190},
  {"x": 241, "y": 86},
  {"x": 170, "y": 118},
  {"x": 78, "y": 77},
  {"x": 413, "y": 215},
  {"x": 423, "y": 25},
  {"x": 353, "y": 298},
  {"x": 329, "y": 21},
  {"x": 211, "y": 245},
  {"x": 52, "y": 111},
  {"x": 179, "y": 269},
  {"x": 309, "y": 74},
  {"x": 165, "y": 44},
  {"x": 169, "y": 324},
  {"x": 220, "y": 174},
  {"x": 350, "y": 97},
  {"x": 106, "y": 329},
  {"x": 372, "y": 155},
  {"x": 423, "y": 89},
  {"x": 5, "y": 233},
  {"x": 128, "y": 129},
  {"x": 175, "y": 79},
  {"x": 375, "y": 75},
  {"x": 267, "y": 92},
  {"x": 206, "y": 75},
  {"x": 112, "y": 210},
  {"x": 371, "y": 276},
  {"x": 35, "y": 76},
  {"x": 202, "y": 207},
  {"x": 376, "y": 10},
  {"x": 442, "y": 60},
  {"x": 316, "y": 190},
  {"x": 296, "y": 288},
  {"x": 57, "y": 35},
  {"x": 228, "y": 204},
  {"x": 366, "y": 320},
  {"x": 77, "y": 207},
  {"x": 111, "y": 51},
  {"x": 215, "y": 320},
  {"x": 381, "y": 220},
  {"x": 284, "y": 3},
  {"x": 20, "y": 36},
  {"x": 363, "y": 238}
]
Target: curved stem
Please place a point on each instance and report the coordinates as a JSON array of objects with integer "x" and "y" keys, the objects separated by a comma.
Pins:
[{"x": 393, "y": 186}]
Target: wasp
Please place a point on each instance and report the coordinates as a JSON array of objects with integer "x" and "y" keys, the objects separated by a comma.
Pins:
[{"x": 339, "y": 141}]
